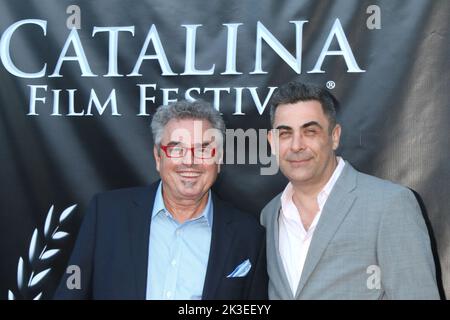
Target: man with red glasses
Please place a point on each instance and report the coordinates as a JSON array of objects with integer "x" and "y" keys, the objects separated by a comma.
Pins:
[{"x": 174, "y": 239}]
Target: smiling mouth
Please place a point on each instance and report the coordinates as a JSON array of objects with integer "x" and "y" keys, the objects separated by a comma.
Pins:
[
  {"x": 189, "y": 174},
  {"x": 299, "y": 161}
]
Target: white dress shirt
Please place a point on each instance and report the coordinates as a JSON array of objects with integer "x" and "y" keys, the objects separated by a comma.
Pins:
[{"x": 294, "y": 240}]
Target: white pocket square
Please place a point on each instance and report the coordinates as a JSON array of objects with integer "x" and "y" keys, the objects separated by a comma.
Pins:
[{"x": 241, "y": 270}]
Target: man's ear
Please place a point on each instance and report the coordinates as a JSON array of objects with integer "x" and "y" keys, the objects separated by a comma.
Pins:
[
  {"x": 157, "y": 156},
  {"x": 336, "y": 136}
]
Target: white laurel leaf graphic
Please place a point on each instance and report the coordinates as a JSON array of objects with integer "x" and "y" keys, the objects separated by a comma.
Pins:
[
  {"x": 11, "y": 295},
  {"x": 38, "y": 297},
  {"x": 59, "y": 235},
  {"x": 33, "y": 245},
  {"x": 36, "y": 279},
  {"x": 48, "y": 221},
  {"x": 48, "y": 254},
  {"x": 20, "y": 273},
  {"x": 66, "y": 213}
]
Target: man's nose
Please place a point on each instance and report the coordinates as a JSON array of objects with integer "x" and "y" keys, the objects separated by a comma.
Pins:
[
  {"x": 189, "y": 158},
  {"x": 297, "y": 143}
]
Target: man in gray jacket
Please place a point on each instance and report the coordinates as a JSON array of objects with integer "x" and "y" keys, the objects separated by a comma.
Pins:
[{"x": 334, "y": 232}]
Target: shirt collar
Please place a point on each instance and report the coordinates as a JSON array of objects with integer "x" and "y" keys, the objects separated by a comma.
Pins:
[
  {"x": 324, "y": 194},
  {"x": 159, "y": 207}
]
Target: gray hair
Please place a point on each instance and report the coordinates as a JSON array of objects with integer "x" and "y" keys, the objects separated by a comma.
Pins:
[{"x": 184, "y": 109}]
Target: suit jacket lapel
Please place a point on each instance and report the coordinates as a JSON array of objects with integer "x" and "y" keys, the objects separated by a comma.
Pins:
[
  {"x": 335, "y": 210},
  {"x": 285, "y": 292},
  {"x": 139, "y": 230},
  {"x": 221, "y": 241}
]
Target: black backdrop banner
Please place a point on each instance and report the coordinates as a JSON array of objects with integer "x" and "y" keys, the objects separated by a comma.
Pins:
[{"x": 79, "y": 81}]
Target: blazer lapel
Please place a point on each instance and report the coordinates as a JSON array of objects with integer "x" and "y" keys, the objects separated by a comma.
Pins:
[
  {"x": 335, "y": 210},
  {"x": 221, "y": 241},
  {"x": 285, "y": 292},
  {"x": 139, "y": 230}
]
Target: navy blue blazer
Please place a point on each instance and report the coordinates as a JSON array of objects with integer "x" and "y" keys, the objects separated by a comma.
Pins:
[{"x": 112, "y": 250}]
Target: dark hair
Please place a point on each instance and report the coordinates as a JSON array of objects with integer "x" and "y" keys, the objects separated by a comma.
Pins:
[{"x": 296, "y": 91}]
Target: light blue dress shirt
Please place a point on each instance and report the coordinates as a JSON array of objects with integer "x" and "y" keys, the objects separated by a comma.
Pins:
[{"x": 178, "y": 253}]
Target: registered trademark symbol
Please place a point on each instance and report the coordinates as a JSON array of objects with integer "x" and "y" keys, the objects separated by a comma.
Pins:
[{"x": 331, "y": 85}]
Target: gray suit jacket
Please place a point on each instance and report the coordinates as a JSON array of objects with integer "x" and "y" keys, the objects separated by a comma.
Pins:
[{"x": 369, "y": 229}]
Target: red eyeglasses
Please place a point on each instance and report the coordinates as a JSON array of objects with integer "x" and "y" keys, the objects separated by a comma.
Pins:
[{"x": 180, "y": 151}]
